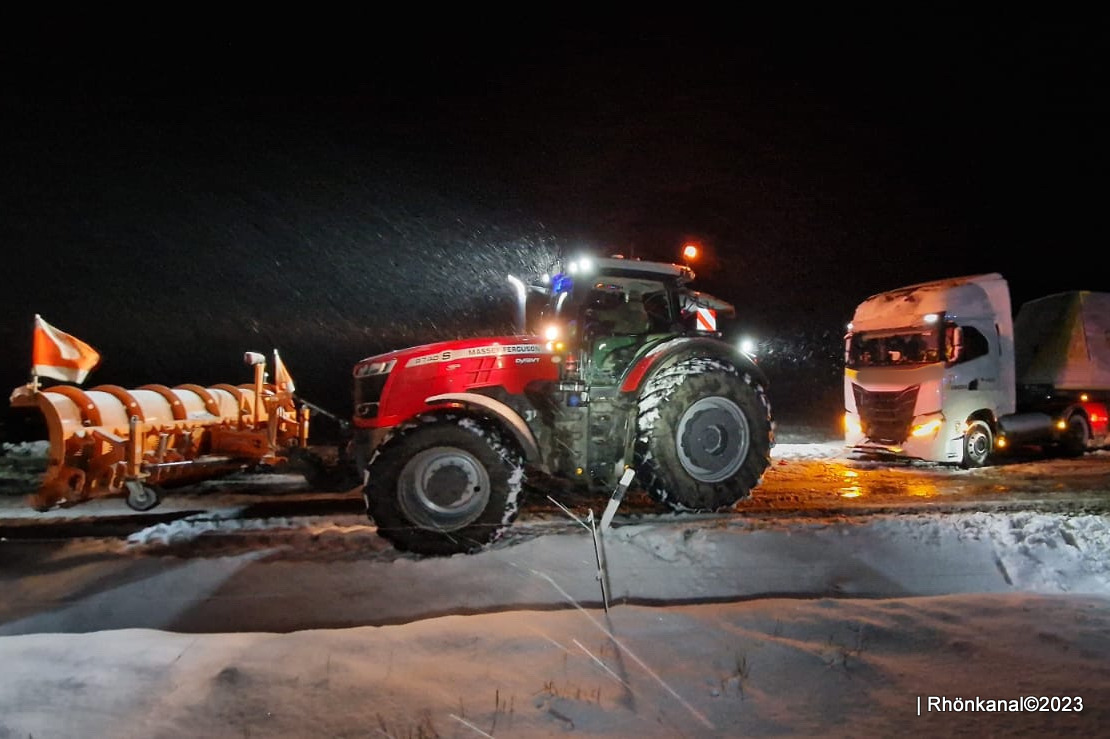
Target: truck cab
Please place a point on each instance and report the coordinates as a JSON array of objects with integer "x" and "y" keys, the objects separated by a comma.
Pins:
[
  {"x": 943, "y": 372},
  {"x": 928, "y": 370}
]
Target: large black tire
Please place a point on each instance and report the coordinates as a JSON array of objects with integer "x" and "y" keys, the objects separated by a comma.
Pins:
[
  {"x": 444, "y": 485},
  {"x": 704, "y": 435},
  {"x": 978, "y": 445},
  {"x": 1076, "y": 437}
]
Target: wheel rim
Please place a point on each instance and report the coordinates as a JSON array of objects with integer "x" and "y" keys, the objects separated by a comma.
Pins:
[
  {"x": 142, "y": 500},
  {"x": 443, "y": 488},
  {"x": 978, "y": 444},
  {"x": 712, "y": 439}
]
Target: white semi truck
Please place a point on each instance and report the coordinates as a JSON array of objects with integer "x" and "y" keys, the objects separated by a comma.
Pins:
[{"x": 942, "y": 372}]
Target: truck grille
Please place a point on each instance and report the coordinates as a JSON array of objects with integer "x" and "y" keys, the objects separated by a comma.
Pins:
[
  {"x": 886, "y": 416},
  {"x": 368, "y": 395}
]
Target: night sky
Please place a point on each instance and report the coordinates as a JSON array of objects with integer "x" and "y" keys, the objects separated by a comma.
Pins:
[{"x": 338, "y": 189}]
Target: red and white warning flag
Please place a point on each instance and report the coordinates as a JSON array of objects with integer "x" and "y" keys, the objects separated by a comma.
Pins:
[
  {"x": 282, "y": 379},
  {"x": 61, "y": 356},
  {"x": 707, "y": 319}
]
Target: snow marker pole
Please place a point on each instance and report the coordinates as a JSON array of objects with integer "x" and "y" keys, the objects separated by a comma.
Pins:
[
  {"x": 600, "y": 561},
  {"x": 616, "y": 498}
]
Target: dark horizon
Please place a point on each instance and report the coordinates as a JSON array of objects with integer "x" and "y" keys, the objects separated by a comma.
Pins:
[{"x": 175, "y": 204}]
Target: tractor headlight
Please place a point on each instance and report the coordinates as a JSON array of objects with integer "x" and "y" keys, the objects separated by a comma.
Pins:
[{"x": 553, "y": 336}]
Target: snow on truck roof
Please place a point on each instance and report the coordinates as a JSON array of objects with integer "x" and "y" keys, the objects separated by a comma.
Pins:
[{"x": 978, "y": 295}]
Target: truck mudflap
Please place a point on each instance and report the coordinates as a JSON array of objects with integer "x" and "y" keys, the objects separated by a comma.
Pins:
[{"x": 109, "y": 440}]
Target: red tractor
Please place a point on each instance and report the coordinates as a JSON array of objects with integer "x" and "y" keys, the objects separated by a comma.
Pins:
[{"x": 610, "y": 373}]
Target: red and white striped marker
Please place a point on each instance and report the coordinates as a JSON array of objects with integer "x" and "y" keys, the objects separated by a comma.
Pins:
[{"x": 707, "y": 319}]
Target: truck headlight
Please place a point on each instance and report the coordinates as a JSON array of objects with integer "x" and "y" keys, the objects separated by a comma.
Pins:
[
  {"x": 852, "y": 425},
  {"x": 928, "y": 428}
]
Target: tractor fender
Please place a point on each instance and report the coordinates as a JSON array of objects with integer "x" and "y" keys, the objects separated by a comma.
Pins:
[
  {"x": 673, "y": 350},
  {"x": 510, "y": 417}
]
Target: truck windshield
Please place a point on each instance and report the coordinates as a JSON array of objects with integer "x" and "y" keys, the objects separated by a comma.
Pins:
[{"x": 893, "y": 347}]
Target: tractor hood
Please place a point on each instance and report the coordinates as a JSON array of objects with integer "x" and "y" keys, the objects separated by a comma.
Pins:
[
  {"x": 397, "y": 385},
  {"x": 447, "y": 352}
]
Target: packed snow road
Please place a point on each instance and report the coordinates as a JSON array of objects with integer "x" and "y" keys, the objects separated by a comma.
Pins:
[
  {"x": 246, "y": 553},
  {"x": 806, "y": 481}
]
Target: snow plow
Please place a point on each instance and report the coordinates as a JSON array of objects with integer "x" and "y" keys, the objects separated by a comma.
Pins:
[{"x": 109, "y": 440}]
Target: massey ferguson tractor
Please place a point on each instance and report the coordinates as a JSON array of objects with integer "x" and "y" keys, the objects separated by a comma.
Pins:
[{"x": 611, "y": 374}]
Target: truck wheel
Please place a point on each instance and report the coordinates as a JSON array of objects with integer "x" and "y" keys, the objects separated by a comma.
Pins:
[
  {"x": 704, "y": 435},
  {"x": 1076, "y": 438},
  {"x": 978, "y": 445},
  {"x": 446, "y": 485}
]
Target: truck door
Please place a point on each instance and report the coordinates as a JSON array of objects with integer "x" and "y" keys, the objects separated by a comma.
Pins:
[{"x": 973, "y": 379}]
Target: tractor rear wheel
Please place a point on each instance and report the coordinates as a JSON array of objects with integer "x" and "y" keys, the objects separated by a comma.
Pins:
[
  {"x": 704, "y": 435},
  {"x": 444, "y": 485}
]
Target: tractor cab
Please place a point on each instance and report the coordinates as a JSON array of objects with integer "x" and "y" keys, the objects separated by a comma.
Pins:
[{"x": 604, "y": 311}]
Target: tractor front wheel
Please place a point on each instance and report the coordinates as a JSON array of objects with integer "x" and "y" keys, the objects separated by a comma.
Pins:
[{"x": 444, "y": 485}]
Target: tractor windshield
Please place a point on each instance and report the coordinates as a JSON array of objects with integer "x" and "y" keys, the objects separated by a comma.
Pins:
[
  {"x": 625, "y": 306},
  {"x": 605, "y": 305}
]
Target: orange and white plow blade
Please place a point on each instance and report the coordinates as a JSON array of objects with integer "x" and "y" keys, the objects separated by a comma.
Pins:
[{"x": 107, "y": 440}]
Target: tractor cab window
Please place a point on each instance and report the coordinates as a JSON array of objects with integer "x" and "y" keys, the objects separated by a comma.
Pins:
[
  {"x": 618, "y": 316},
  {"x": 612, "y": 310},
  {"x": 660, "y": 312}
]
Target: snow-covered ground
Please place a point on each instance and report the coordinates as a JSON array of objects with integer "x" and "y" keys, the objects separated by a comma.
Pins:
[{"x": 985, "y": 623}]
